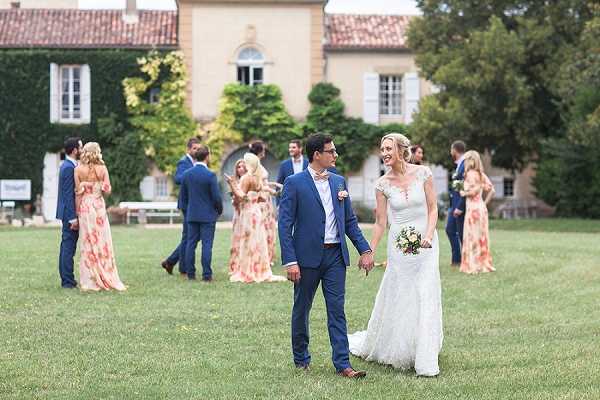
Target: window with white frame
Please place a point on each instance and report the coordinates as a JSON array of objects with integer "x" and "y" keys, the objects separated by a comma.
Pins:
[
  {"x": 161, "y": 188},
  {"x": 508, "y": 187},
  {"x": 390, "y": 94},
  {"x": 250, "y": 67},
  {"x": 70, "y": 94}
]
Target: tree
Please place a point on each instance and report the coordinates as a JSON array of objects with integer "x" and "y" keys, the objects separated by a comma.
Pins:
[
  {"x": 495, "y": 62},
  {"x": 568, "y": 172},
  {"x": 167, "y": 123}
]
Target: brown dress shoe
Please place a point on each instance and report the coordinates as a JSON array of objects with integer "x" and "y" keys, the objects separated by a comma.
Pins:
[
  {"x": 168, "y": 267},
  {"x": 351, "y": 373}
]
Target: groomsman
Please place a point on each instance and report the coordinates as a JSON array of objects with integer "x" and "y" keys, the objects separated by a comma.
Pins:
[
  {"x": 186, "y": 162},
  {"x": 201, "y": 200},
  {"x": 66, "y": 212},
  {"x": 456, "y": 212},
  {"x": 293, "y": 165}
]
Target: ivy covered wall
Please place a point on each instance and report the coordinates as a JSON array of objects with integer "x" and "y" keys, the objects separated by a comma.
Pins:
[{"x": 26, "y": 133}]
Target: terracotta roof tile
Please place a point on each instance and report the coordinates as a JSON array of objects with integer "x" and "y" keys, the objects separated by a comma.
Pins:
[
  {"x": 365, "y": 32},
  {"x": 69, "y": 28}
]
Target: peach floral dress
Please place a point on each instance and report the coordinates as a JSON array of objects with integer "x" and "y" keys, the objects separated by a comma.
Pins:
[
  {"x": 476, "y": 255},
  {"x": 269, "y": 218},
  {"x": 97, "y": 266},
  {"x": 250, "y": 261}
]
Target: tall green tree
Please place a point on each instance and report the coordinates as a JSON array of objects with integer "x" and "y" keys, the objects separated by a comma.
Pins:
[
  {"x": 568, "y": 171},
  {"x": 495, "y": 62}
]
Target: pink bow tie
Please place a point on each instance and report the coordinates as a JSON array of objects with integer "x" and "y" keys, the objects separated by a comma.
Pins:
[{"x": 323, "y": 176}]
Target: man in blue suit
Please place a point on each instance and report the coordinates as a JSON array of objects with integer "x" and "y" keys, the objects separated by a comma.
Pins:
[
  {"x": 293, "y": 165},
  {"x": 315, "y": 215},
  {"x": 66, "y": 212},
  {"x": 456, "y": 212},
  {"x": 186, "y": 162},
  {"x": 201, "y": 200}
]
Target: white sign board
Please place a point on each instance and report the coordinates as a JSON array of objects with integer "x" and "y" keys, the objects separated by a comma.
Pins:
[{"x": 15, "y": 189}]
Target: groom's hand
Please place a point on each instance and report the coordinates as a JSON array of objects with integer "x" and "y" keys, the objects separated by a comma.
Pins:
[
  {"x": 366, "y": 262},
  {"x": 293, "y": 273}
]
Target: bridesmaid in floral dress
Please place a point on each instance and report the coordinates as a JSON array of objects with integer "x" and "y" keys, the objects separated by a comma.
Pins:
[
  {"x": 476, "y": 255},
  {"x": 239, "y": 170},
  {"x": 97, "y": 266},
  {"x": 251, "y": 261},
  {"x": 259, "y": 149}
]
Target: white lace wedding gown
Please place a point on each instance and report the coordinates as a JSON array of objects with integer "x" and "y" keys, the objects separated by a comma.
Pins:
[{"x": 405, "y": 329}]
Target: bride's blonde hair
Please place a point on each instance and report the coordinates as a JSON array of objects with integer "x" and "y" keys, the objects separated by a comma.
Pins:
[
  {"x": 254, "y": 167},
  {"x": 91, "y": 154},
  {"x": 402, "y": 146},
  {"x": 473, "y": 162}
]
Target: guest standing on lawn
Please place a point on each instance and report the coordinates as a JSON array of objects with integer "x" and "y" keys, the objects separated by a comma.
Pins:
[
  {"x": 476, "y": 255},
  {"x": 186, "y": 162}
]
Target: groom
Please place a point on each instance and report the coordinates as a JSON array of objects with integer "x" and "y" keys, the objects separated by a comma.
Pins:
[
  {"x": 65, "y": 211},
  {"x": 315, "y": 215}
]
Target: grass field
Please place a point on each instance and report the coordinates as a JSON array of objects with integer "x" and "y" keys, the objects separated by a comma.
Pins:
[{"x": 529, "y": 331}]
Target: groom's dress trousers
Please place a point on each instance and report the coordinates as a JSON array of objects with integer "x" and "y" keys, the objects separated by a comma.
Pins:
[
  {"x": 202, "y": 203},
  {"x": 454, "y": 225},
  {"x": 178, "y": 254},
  {"x": 312, "y": 224},
  {"x": 65, "y": 211}
]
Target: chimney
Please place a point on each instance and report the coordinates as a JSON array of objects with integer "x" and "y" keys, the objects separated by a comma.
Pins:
[
  {"x": 130, "y": 14},
  {"x": 15, "y": 5}
]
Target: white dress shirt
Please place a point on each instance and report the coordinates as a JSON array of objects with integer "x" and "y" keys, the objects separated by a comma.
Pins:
[
  {"x": 297, "y": 165},
  {"x": 331, "y": 230},
  {"x": 457, "y": 162},
  {"x": 74, "y": 161}
]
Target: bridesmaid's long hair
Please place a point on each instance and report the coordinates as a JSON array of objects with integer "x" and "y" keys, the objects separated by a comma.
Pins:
[
  {"x": 235, "y": 169},
  {"x": 253, "y": 167},
  {"x": 402, "y": 147},
  {"x": 91, "y": 154},
  {"x": 473, "y": 162}
]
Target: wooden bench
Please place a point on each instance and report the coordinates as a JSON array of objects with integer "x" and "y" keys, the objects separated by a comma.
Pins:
[
  {"x": 144, "y": 209},
  {"x": 517, "y": 209}
]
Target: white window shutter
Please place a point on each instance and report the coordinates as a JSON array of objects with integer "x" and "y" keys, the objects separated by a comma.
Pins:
[
  {"x": 86, "y": 95},
  {"x": 54, "y": 93},
  {"x": 498, "y": 183},
  {"x": 371, "y": 98},
  {"x": 412, "y": 93},
  {"x": 147, "y": 188}
]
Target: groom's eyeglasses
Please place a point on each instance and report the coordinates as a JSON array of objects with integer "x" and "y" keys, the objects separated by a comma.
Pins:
[{"x": 332, "y": 151}]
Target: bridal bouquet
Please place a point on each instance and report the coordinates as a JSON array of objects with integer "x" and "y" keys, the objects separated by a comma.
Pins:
[
  {"x": 409, "y": 240},
  {"x": 457, "y": 184}
]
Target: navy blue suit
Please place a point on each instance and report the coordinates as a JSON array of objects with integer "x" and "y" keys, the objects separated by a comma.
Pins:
[
  {"x": 65, "y": 211},
  {"x": 454, "y": 225},
  {"x": 286, "y": 168},
  {"x": 301, "y": 237},
  {"x": 201, "y": 200},
  {"x": 179, "y": 253}
]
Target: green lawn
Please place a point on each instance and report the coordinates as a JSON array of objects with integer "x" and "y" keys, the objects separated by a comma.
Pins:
[{"x": 529, "y": 331}]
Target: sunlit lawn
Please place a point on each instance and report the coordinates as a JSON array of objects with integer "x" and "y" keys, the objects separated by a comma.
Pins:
[{"x": 529, "y": 331}]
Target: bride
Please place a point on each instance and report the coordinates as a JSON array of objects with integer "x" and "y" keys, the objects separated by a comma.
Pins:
[{"x": 405, "y": 329}]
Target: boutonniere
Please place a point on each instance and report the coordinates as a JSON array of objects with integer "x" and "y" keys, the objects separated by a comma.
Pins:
[{"x": 342, "y": 194}]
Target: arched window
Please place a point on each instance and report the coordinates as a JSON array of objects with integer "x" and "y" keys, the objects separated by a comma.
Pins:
[{"x": 250, "y": 66}]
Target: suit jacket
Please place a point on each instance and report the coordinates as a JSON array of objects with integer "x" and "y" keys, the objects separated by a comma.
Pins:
[
  {"x": 182, "y": 165},
  {"x": 302, "y": 221},
  {"x": 200, "y": 195},
  {"x": 65, "y": 208},
  {"x": 286, "y": 168},
  {"x": 456, "y": 200}
]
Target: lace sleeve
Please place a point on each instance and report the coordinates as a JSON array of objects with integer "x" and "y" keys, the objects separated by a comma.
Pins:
[
  {"x": 382, "y": 186},
  {"x": 425, "y": 173}
]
